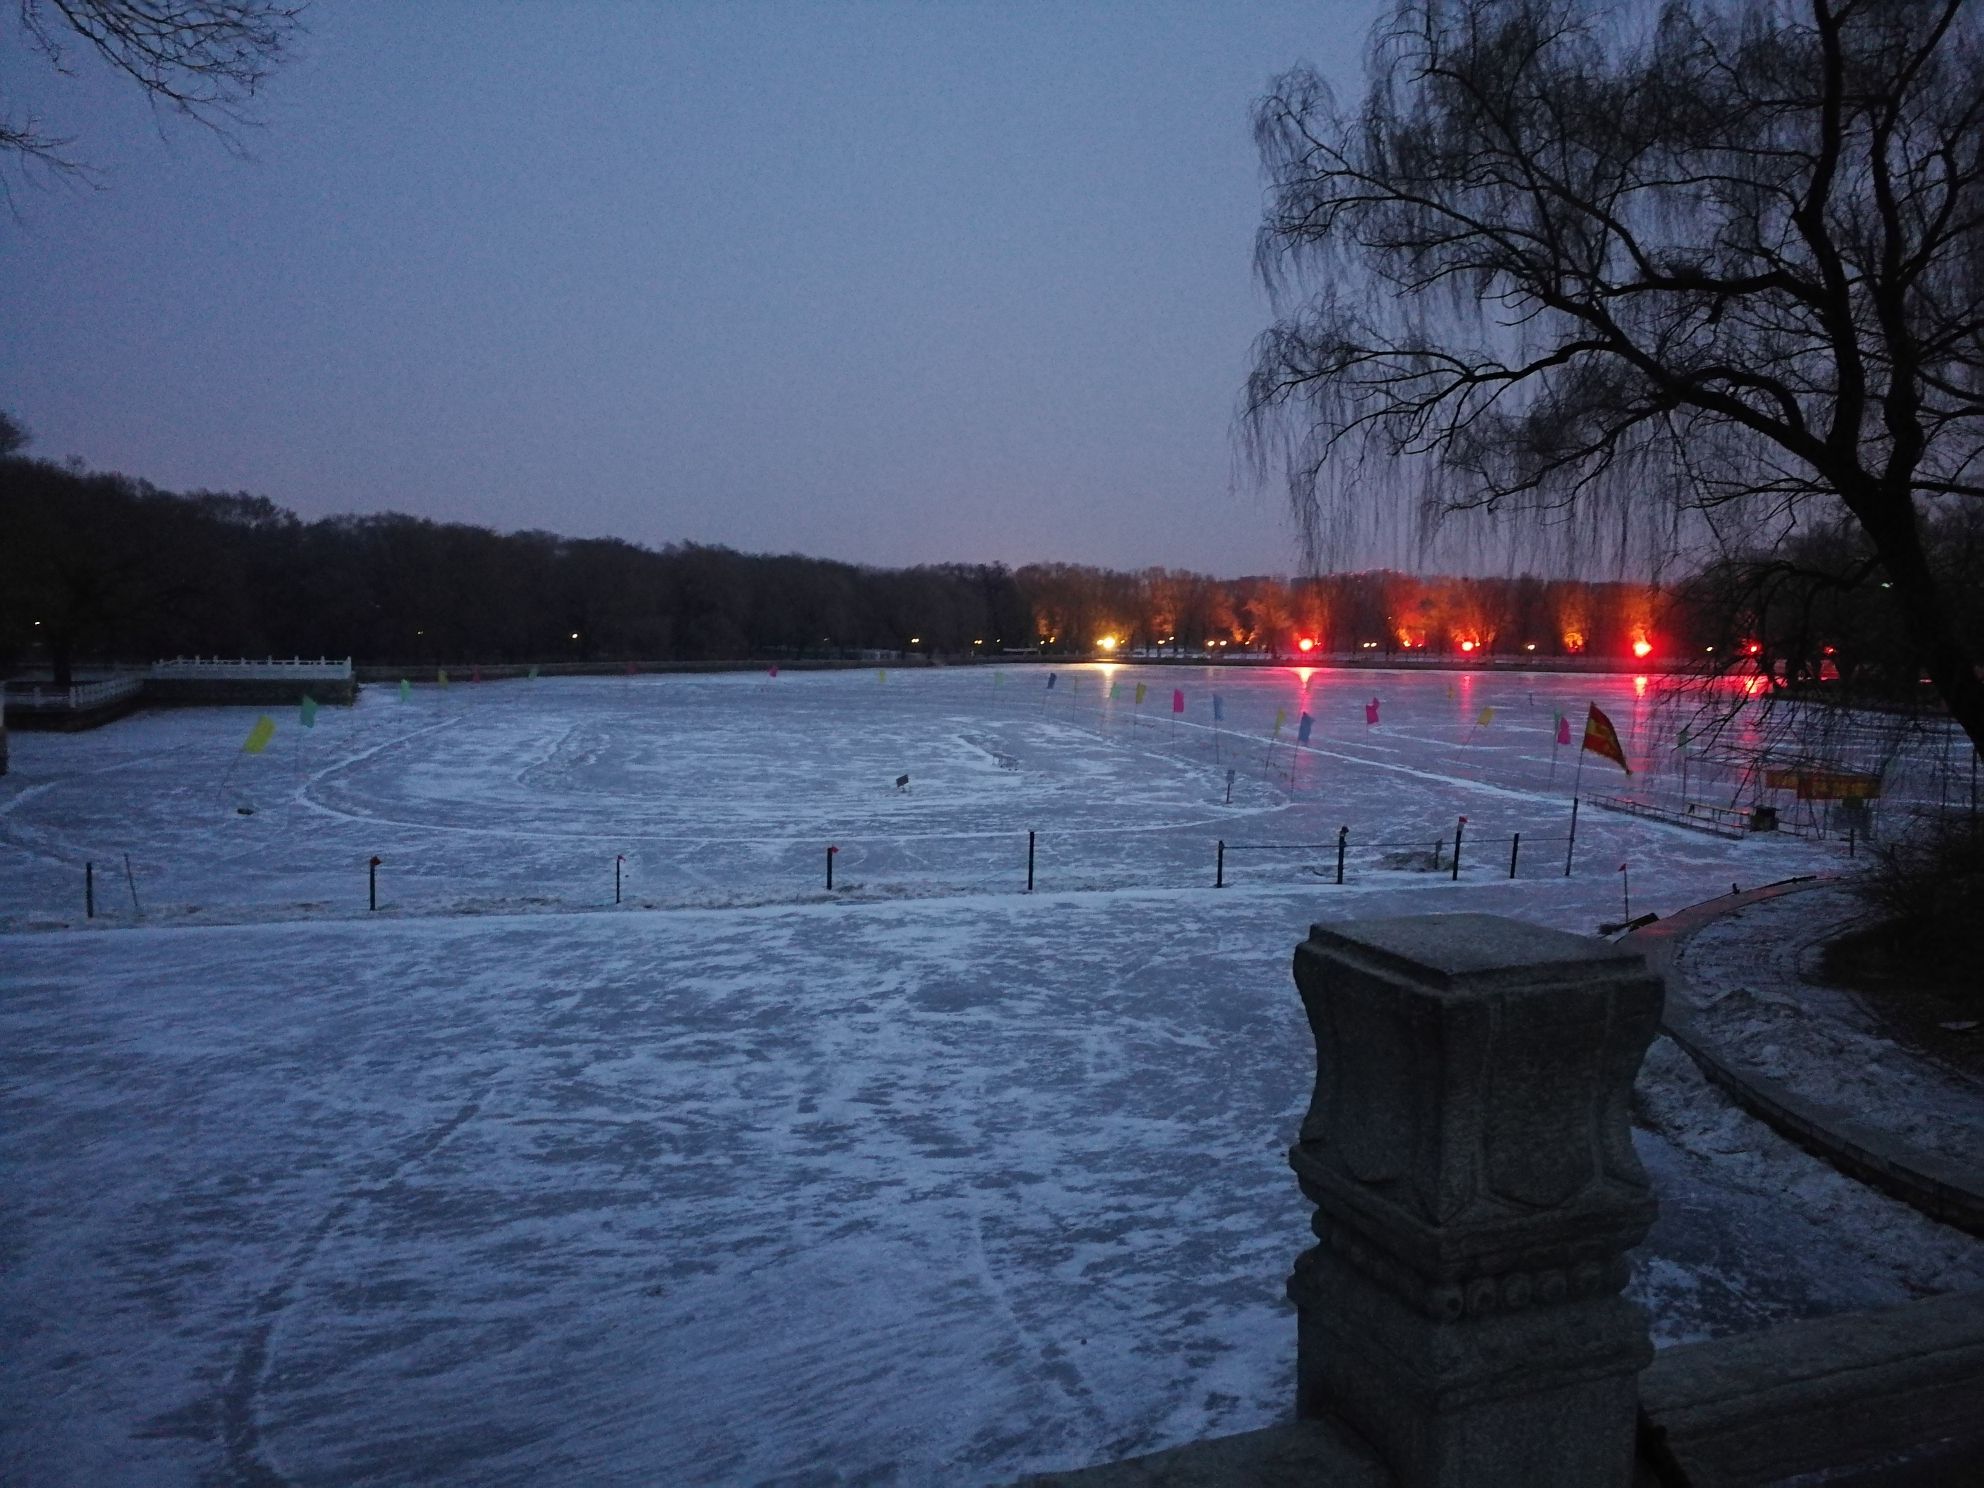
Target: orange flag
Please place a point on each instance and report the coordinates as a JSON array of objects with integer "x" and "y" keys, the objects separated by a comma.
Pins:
[{"x": 1601, "y": 738}]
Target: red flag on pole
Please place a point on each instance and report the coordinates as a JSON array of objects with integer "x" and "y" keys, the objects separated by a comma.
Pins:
[
  {"x": 1603, "y": 739},
  {"x": 1177, "y": 700},
  {"x": 1563, "y": 729},
  {"x": 1371, "y": 711}
]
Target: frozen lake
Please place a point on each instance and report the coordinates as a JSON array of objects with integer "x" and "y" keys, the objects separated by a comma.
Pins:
[{"x": 929, "y": 1181}]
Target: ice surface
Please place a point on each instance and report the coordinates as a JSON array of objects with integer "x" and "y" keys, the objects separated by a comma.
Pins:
[{"x": 929, "y": 1182}]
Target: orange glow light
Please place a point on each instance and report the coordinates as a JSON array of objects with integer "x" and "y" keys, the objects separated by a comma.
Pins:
[
  {"x": 1467, "y": 645},
  {"x": 1642, "y": 648},
  {"x": 1305, "y": 644}
]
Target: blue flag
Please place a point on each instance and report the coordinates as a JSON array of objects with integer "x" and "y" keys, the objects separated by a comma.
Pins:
[
  {"x": 1218, "y": 708},
  {"x": 1050, "y": 681},
  {"x": 1302, "y": 729}
]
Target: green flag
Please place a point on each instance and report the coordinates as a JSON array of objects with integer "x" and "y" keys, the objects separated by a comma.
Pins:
[
  {"x": 533, "y": 674},
  {"x": 1114, "y": 688},
  {"x": 406, "y": 689},
  {"x": 306, "y": 711},
  {"x": 259, "y": 736},
  {"x": 998, "y": 679},
  {"x": 881, "y": 674},
  {"x": 441, "y": 676}
]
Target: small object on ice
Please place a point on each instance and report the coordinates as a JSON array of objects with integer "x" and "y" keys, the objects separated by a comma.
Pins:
[
  {"x": 1960, "y": 1025},
  {"x": 244, "y": 809},
  {"x": 902, "y": 782}
]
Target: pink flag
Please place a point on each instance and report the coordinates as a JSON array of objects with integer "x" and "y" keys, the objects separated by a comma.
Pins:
[
  {"x": 1177, "y": 700},
  {"x": 1371, "y": 712},
  {"x": 1563, "y": 729}
]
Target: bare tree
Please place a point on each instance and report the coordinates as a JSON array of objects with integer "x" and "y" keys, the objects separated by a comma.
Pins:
[
  {"x": 205, "y": 60},
  {"x": 1677, "y": 278}
]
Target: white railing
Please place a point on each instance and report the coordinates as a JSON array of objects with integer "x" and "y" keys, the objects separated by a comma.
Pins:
[
  {"x": 33, "y": 696},
  {"x": 240, "y": 669}
]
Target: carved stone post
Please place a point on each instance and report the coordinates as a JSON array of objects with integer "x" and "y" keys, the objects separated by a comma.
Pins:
[{"x": 1468, "y": 1152}]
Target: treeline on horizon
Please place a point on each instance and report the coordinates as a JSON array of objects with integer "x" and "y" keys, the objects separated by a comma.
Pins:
[{"x": 102, "y": 568}]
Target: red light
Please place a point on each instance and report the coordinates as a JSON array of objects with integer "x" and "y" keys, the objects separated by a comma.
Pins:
[
  {"x": 1642, "y": 648},
  {"x": 1467, "y": 645},
  {"x": 1305, "y": 644},
  {"x": 1754, "y": 648}
]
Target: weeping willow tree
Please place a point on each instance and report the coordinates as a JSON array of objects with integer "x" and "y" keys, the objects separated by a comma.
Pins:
[
  {"x": 1674, "y": 282},
  {"x": 204, "y": 60}
]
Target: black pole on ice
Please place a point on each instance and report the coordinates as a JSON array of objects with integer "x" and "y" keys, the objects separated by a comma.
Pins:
[
  {"x": 1459, "y": 827},
  {"x": 372, "y": 884},
  {"x": 1342, "y": 837},
  {"x": 830, "y": 866},
  {"x": 1515, "y": 846},
  {"x": 1571, "y": 846},
  {"x": 1029, "y": 862},
  {"x": 89, "y": 890},
  {"x": 618, "y": 859},
  {"x": 1219, "y": 866}
]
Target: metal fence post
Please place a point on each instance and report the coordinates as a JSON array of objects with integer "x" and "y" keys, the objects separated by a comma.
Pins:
[
  {"x": 1342, "y": 837},
  {"x": 1515, "y": 846},
  {"x": 830, "y": 866},
  {"x": 1029, "y": 862},
  {"x": 372, "y": 884},
  {"x": 1459, "y": 827},
  {"x": 618, "y": 859},
  {"x": 1219, "y": 866}
]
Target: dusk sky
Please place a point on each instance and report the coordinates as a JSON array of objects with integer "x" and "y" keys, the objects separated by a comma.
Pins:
[{"x": 890, "y": 283}]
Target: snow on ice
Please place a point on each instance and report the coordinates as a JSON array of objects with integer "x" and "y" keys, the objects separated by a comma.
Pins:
[{"x": 926, "y": 1181}]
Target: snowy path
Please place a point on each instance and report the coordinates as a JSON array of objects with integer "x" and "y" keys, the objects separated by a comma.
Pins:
[{"x": 1762, "y": 1002}]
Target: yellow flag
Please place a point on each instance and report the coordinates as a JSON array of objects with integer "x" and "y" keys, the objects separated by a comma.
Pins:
[
  {"x": 1280, "y": 717},
  {"x": 259, "y": 736},
  {"x": 1487, "y": 716},
  {"x": 1140, "y": 692},
  {"x": 881, "y": 674}
]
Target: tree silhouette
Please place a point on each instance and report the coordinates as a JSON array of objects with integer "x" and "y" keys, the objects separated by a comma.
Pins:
[
  {"x": 204, "y": 60},
  {"x": 1692, "y": 281}
]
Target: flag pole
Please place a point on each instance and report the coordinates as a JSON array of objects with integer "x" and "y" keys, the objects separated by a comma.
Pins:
[{"x": 1578, "y": 780}]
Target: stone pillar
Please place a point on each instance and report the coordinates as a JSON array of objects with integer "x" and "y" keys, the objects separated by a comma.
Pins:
[{"x": 1468, "y": 1152}]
